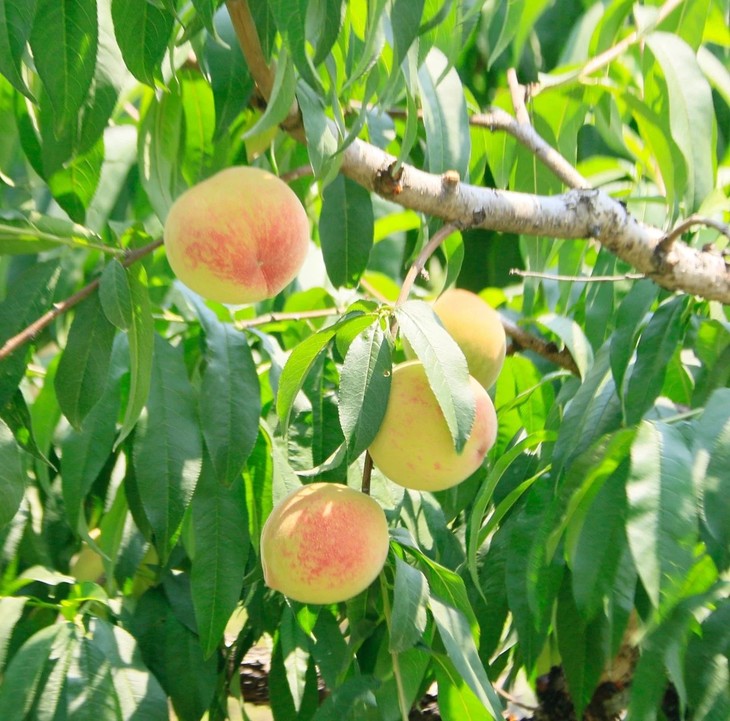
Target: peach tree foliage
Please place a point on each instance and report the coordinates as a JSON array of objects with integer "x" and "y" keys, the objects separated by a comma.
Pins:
[{"x": 140, "y": 422}]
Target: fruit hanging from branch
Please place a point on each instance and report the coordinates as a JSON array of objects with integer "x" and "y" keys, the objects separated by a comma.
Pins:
[
  {"x": 324, "y": 543},
  {"x": 414, "y": 447},
  {"x": 240, "y": 236}
]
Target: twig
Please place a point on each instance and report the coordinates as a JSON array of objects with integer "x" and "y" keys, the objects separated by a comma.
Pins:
[
  {"x": 543, "y": 348},
  {"x": 608, "y": 56},
  {"x": 513, "y": 700},
  {"x": 518, "y": 93},
  {"x": 577, "y": 278},
  {"x": 300, "y": 172},
  {"x": 528, "y": 137},
  {"x": 281, "y": 316},
  {"x": 367, "y": 472},
  {"x": 31, "y": 331},
  {"x": 577, "y": 214},
  {"x": 666, "y": 242},
  {"x": 418, "y": 265}
]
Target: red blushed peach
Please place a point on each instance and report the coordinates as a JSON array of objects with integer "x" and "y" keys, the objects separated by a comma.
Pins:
[
  {"x": 414, "y": 447},
  {"x": 238, "y": 237},
  {"x": 324, "y": 543}
]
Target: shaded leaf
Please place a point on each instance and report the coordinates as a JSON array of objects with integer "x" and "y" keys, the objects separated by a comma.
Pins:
[
  {"x": 408, "y": 617},
  {"x": 12, "y": 475},
  {"x": 346, "y": 227}
]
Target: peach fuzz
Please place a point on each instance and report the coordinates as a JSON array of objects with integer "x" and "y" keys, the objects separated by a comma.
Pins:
[
  {"x": 477, "y": 330},
  {"x": 324, "y": 543},
  {"x": 240, "y": 236},
  {"x": 413, "y": 446}
]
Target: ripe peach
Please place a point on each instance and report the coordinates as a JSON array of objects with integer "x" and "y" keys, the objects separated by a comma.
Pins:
[
  {"x": 238, "y": 237},
  {"x": 324, "y": 543},
  {"x": 414, "y": 447},
  {"x": 478, "y": 331}
]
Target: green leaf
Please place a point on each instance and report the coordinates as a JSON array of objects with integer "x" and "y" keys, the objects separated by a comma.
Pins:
[
  {"x": 17, "y": 416},
  {"x": 455, "y": 633},
  {"x": 405, "y": 18},
  {"x": 711, "y": 467},
  {"x": 160, "y": 146},
  {"x": 291, "y": 20},
  {"x": 584, "y": 648},
  {"x": 300, "y": 362},
  {"x": 322, "y": 144},
  {"x": 364, "y": 388},
  {"x": 282, "y": 97},
  {"x": 167, "y": 447},
  {"x": 141, "y": 343},
  {"x": 220, "y": 525},
  {"x": 32, "y": 232},
  {"x": 594, "y": 410},
  {"x": 64, "y": 41},
  {"x": 630, "y": 316},
  {"x": 27, "y": 671},
  {"x": 85, "y": 452},
  {"x": 351, "y": 701},
  {"x": 448, "y": 142},
  {"x": 172, "y": 651},
  {"x": 115, "y": 295},
  {"x": 691, "y": 112},
  {"x": 82, "y": 371},
  {"x": 408, "y": 618},
  {"x": 456, "y": 701},
  {"x": 12, "y": 475},
  {"x": 445, "y": 366},
  {"x": 230, "y": 397},
  {"x": 346, "y": 228},
  {"x": 11, "y": 610},
  {"x": 662, "y": 522},
  {"x": 329, "y": 15},
  {"x": 229, "y": 77},
  {"x": 199, "y": 113},
  {"x": 143, "y": 32},
  {"x": 28, "y": 296},
  {"x": 16, "y": 22},
  {"x": 135, "y": 692},
  {"x": 574, "y": 338},
  {"x": 656, "y": 346}
]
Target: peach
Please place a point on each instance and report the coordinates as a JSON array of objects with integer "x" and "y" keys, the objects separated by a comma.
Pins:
[
  {"x": 324, "y": 543},
  {"x": 414, "y": 447},
  {"x": 238, "y": 237},
  {"x": 478, "y": 331}
]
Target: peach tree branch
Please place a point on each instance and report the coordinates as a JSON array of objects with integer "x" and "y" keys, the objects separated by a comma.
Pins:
[{"x": 581, "y": 213}]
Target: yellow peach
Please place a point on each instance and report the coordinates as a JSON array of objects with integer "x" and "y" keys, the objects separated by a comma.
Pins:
[
  {"x": 478, "y": 331},
  {"x": 414, "y": 447},
  {"x": 239, "y": 236},
  {"x": 324, "y": 543}
]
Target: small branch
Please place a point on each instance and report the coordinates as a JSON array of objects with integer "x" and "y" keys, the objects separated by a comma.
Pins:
[
  {"x": 527, "y": 136},
  {"x": 300, "y": 172},
  {"x": 608, "y": 56},
  {"x": 419, "y": 264},
  {"x": 666, "y": 242},
  {"x": 547, "y": 350},
  {"x": 577, "y": 278},
  {"x": 519, "y": 94},
  {"x": 277, "y": 317},
  {"x": 31, "y": 331}
]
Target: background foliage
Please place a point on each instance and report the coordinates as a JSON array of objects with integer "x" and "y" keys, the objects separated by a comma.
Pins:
[{"x": 146, "y": 434}]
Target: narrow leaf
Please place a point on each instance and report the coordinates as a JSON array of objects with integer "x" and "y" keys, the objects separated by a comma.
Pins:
[
  {"x": 115, "y": 295},
  {"x": 143, "y": 31},
  {"x": 408, "y": 619},
  {"x": 167, "y": 446},
  {"x": 321, "y": 141},
  {"x": 64, "y": 40},
  {"x": 456, "y": 635},
  {"x": 82, "y": 371},
  {"x": 346, "y": 228},
  {"x": 574, "y": 338},
  {"x": 662, "y": 523},
  {"x": 364, "y": 388},
  {"x": 445, "y": 366},
  {"x": 12, "y": 475},
  {"x": 220, "y": 525},
  {"x": 16, "y": 22},
  {"x": 656, "y": 346},
  {"x": 230, "y": 401},
  {"x": 444, "y": 116}
]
